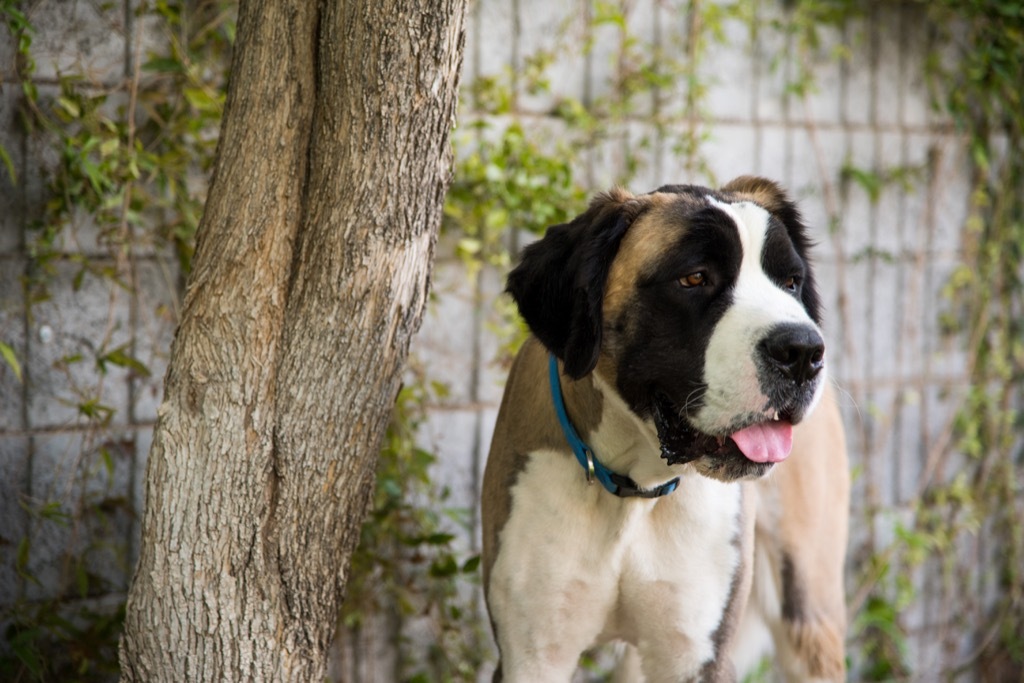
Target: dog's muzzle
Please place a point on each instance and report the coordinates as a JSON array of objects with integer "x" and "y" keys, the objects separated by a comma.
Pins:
[{"x": 789, "y": 358}]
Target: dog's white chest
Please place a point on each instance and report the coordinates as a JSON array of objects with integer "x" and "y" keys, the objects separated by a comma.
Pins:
[{"x": 655, "y": 573}]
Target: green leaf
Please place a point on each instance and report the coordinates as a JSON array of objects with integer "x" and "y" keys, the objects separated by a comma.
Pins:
[
  {"x": 870, "y": 182},
  {"x": 11, "y": 359},
  {"x": 202, "y": 100},
  {"x": 81, "y": 580},
  {"x": 444, "y": 566},
  {"x": 122, "y": 358},
  {"x": 21, "y": 561},
  {"x": 70, "y": 359},
  {"x": 469, "y": 246},
  {"x": 108, "y": 461},
  {"x": 165, "y": 65},
  {"x": 53, "y": 512},
  {"x": 6, "y": 158},
  {"x": 109, "y": 146},
  {"x": 95, "y": 410},
  {"x": 69, "y": 106},
  {"x": 26, "y": 652},
  {"x": 439, "y": 539}
]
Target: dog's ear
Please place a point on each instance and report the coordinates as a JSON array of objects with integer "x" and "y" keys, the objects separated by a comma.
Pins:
[
  {"x": 768, "y": 194},
  {"x": 560, "y": 280},
  {"x": 764, "y": 192}
]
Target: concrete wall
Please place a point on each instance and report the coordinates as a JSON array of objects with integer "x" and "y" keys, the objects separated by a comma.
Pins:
[
  {"x": 881, "y": 261},
  {"x": 70, "y": 486}
]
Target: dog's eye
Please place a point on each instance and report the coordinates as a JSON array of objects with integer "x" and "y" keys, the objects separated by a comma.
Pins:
[
  {"x": 792, "y": 283},
  {"x": 698, "y": 279}
]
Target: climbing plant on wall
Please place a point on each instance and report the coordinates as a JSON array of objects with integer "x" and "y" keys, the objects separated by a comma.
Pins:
[
  {"x": 969, "y": 524},
  {"x": 119, "y": 163},
  {"x": 981, "y": 91}
]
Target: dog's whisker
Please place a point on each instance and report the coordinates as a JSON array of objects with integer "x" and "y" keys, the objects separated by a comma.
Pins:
[
  {"x": 846, "y": 398},
  {"x": 697, "y": 394}
]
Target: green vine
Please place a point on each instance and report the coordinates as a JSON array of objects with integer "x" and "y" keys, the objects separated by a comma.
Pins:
[
  {"x": 20, "y": 30},
  {"x": 511, "y": 183},
  {"x": 121, "y": 164},
  {"x": 983, "y": 95},
  {"x": 977, "y": 84},
  {"x": 408, "y": 568}
]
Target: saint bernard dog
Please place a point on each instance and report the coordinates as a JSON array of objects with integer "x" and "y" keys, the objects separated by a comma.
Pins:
[{"x": 668, "y": 467}]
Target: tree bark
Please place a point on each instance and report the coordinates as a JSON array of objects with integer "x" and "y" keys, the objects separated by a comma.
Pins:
[{"x": 310, "y": 276}]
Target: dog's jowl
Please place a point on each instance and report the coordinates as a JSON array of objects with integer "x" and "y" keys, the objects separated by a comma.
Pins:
[{"x": 668, "y": 467}]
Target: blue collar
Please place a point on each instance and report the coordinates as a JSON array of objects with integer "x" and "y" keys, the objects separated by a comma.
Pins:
[{"x": 615, "y": 483}]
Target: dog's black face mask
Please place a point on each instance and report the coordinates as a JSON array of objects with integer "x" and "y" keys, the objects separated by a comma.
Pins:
[{"x": 701, "y": 305}]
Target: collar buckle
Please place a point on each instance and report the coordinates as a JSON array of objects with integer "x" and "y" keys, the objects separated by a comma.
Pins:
[{"x": 591, "y": 470}]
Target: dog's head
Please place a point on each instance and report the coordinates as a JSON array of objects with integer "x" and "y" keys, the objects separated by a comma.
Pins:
[{"x": 697, "y": 305}]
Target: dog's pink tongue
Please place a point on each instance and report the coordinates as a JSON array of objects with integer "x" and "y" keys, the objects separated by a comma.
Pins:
[{"x": 765, "y": 442}]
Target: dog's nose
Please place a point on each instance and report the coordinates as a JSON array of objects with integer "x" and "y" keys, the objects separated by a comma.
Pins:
[{"x": 797, "y": 351}]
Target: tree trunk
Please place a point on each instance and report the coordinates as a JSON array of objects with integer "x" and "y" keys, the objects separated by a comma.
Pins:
[{"x": 310, "y": 276}]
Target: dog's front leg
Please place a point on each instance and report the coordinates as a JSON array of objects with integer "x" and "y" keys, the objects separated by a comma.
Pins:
[
  {"x": 552, "y": 588},
  {"x": 542, "y": 631}
]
